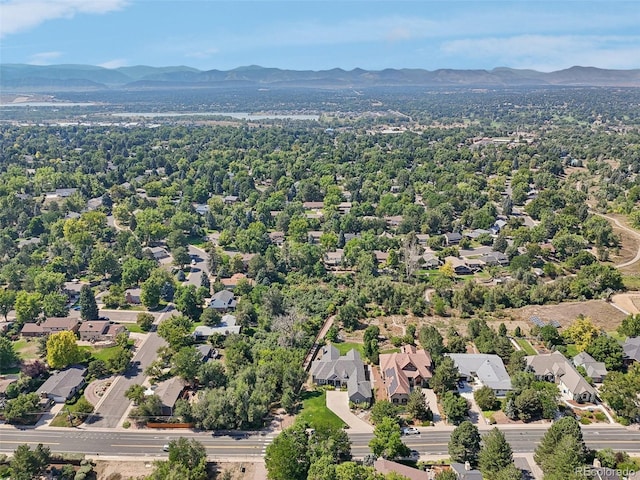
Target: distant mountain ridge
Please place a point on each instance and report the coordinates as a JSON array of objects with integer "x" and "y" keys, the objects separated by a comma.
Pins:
[{"x": 70, "y": 77}]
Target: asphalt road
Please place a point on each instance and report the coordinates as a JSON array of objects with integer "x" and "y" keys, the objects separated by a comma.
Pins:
[
  {"x": 149, "y": 443},
  {"x": 200, "y": 267}
]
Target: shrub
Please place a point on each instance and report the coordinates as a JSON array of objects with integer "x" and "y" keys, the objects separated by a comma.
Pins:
[
  {"x": 585, "y": 421},
  {"x": 601, "y": 417},
  {"x": 126, "y": 424}
]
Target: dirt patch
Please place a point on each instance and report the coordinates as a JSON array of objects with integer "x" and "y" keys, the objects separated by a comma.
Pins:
[
  {"x": 629, "y": 302},
  {"x": 126, "y": 470},
  {"x": 602, "y": 313}
]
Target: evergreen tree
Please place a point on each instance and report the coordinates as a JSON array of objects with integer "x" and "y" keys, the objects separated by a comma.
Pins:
[
  {"x": 417, "y": 406},
  {"x": 495, "y": 455},
  {"x": 567, "y": 432},
  {"x": 464, "y": 445},
  {"x": 445, "y": 377},
  {"x": 88, "y": 306}
]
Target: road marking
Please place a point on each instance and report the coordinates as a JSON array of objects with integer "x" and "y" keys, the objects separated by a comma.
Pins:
[
  {"x": 236, "y": 447},
  {"x": 28, "y": 441}
]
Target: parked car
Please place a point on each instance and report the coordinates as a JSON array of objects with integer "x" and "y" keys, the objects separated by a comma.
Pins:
[
  {"x": 165, "y": 448},
  {"x": 410, "y": 431},
  {"x": 414, "y": 455}
]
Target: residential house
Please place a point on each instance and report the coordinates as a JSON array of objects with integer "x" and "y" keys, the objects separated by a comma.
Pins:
[
  {"x": 422, "y": 238},
  {"x": 596, "y": 370},
  {"x": 495, "y": 259},
  {"x": 631, "y": 349},
  {"x": 497, "y": 227},
  {"x": 232, "y": 282},
  {"x": 49, "y": 326},
  {"x": 475, "y": 264},
  {"x": 277, "y": 238},
  {"x": 313, "y": 205},
  {"x": 230, "y": 199},
  {"x": 554, "y": 367},
  {"x": 343, "y": 371},
  {"x": 64, "y": 384},
  {"x": 488, "y": 370},
  {"x": 333, "y": 260},
  {"x": 169, "y": 392},
  {"x": 452, "y": 238},
  {"x": 313, "y": 236},
  {"x": 476, "y": 233},
  {"x": 430, "y": 261},
  {"x": 59, "y": 194},
  {"x": 344, "y": 208},
  {"x": 160, "y": 255},
  {"x": 201, "y": 208},
  {"x": 384, "y": 466},
  {"x": 4, "y": 384},
  {"x": 393, "y": 221},
  {"x": 132, "y": 296},
  {"x": 99, "y": 330},
  {"x": 227, "y": 326},
  {"x": 459, "y": 266},
  {"x": 465, "y": 472},
  {"x": 223, "y": 301},
  {"x": 205, "y": 351},
  {"x": 403, "y": 371},
  {"x": 94, "y": 203}
]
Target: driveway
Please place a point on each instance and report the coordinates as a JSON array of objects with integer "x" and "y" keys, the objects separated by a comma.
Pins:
[
  {"x": 432, "y": 401},
  {"x": 338, "y": 403},
  {"x": 475, "y": 414}
]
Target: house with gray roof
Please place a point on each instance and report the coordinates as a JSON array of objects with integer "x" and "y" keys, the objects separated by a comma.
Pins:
[
  {"x": 464, "y": 471},
  {"x": 343, "y": 371},
  {"x": 63, "y": 385},
  {"x": 631, "y": 349},
  {"x": 169, "y": 392},
  {"x": 555, "y": 367},
  {"x": 226, "y": 327},
  {"x": 223, "y": 301},
  {"x": 452, "y": 238},
  {"x": 597, "y": 371},
  {"x": 487, "y": 369}
]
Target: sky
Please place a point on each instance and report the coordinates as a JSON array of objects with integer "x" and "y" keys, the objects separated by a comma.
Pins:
[{"x": 323, "y": 34}]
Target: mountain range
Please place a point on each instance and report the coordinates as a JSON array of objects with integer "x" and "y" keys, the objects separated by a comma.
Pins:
[{"x": 82, "y": 77}]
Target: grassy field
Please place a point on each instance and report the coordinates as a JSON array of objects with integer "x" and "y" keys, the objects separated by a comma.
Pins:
[
  {"x": 526, "y": 346},
  {"x": 315, "y": 411},
  {"x": 572, "y": 351},
  {"x": 617, "y": 336},
  {"x": 133, "y": 327},
  {"x": 346, "y": 346},
  {"x": 62, "y": 419},
  {"x": 631, "y": 282}
]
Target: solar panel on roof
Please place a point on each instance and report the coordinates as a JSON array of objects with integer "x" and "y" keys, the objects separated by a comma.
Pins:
[{"x": 555, "y": 323}]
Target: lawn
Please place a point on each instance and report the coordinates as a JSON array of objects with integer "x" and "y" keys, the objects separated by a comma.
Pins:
[
  {"x": 390, "y": 350},
  {"x": 62, "y": 419},
  {"x": 572, "y": 351},
  {"x": 315, "y": 411},
  {"x": 631, "y": 282},
  {"x": 133, "y": 327},
  {"x": 101, "y": 353},
  {"x": 343, "y": 348},
  {"x": 526, "y": 346},
  {"x": 619, "y": 337}
]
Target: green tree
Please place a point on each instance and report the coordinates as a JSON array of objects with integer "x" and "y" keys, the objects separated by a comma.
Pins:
[
  {"x": 417, "y": 406},
  {"x": 486, "y": 398},
  {"x": 212, "y": 375},
  {"x": 445, "y": 377},
  {"x": 135, "y": 393},
  {"x": 349, "y": 316},
  {"x": 62, "y": 350},
  {"x": 187, "y": 461},
  {"x": 446, "y": 475},
  {"x": 455, "y": 407},
  {"x": 188, "y": 302},
  {"x": 8, "y": 355},
  {"x": 88, "y": 305},
  {"x": 286, "y": 458},
  {"x": 181, "y": 257},
  {"x": 384, "y": 409},
  {"x": 176, "y": 331},
  {"x": 495, "y": 454},
  {"x": 387, "y": 440},
  {"x": 620, "y": 391},
  {"x": 186, "y": 363},
  {"x": 21, "y": 409},
  {"x": 105, "y": 263},
  {"x": 145, "y": 321},
  {"x": 564, "y": 434},
  {"x": 432, "y": 342},
  {"x": 7, "y": 301},
  {"x": 606, "y": 349},
  {"x": 27, "y": 464},
  {"x": 48, "y": 282},
  {"x": 28, "y": 306},
  {"x": 54, "y": 304},
  {"x": 464, "y": 444},
  {"x": 630, "y": 326},
  {"x": 119, "y": 362}
]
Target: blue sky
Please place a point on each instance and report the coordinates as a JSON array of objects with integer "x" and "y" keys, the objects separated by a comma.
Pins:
[{"x": 323, "y": 34}]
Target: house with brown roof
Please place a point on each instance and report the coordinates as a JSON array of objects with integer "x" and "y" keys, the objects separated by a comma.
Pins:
[
  {"x": 404, "y": 371},
  {"x": 99, "y": 330},
  {"x": 232, "y": 282},
  {"x": 49, "y": 326},
  {"x": 384, "y": 466}
]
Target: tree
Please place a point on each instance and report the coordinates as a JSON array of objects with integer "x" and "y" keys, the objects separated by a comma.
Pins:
[
  {"x": 349, "y": 315},
  {"x": 27, "y": 464},
  {"x": 464, "y": 444},
  {"x": 21, "y": 409},
  {"x": 135, "y": 393},
  {"x": 83, "y": 409},
  {"x": 446, "y": 475},
  {"x": 630, "y": 326},
  {"x": 145, "y": 321},
  {"x": 286, "y": 458},
  {"x": 432, "y": 342},
  {"x": 619, "y": 391},
  {"x": 7, "y": 301},
  {"x": 417, "y": 406},
  {"x": 582, "y": 332},
  {"x": 187, "y": 301},
  {"x": 210, "y": 317},
  {"x": 445, "y": 377},
  {"x": 48, "y": 282},
  {"x": 606, "y": 349},
  {"x": 181, "y": 257},
  {"x": 120, "y": 361},
  {"x": 187, "y": 461},
  {"x": 54, "y": 304},
  {"x": 212, "y": 375},
  {"x": 8, "y": 355},
  {"x": 370, "y": 348},
  {"x": 566, "y": 434},
  {"x": 105, "y": 263},
  {"x": 176, "y": 331},
  {"x": 62, "y": 350},
  {"x": 387, "y": 440},
  {"x": 495, "y": 454},
  {"x": 384, "y": 409},
  {"x": 88, "y": 306},
  {"x": 151, "y": 291},
  {"x": 486, "y": 398},
  {"x": 28, "y": 306},
  {"x": 455, "y": 407},
  {"x": 186, "y": 363}
]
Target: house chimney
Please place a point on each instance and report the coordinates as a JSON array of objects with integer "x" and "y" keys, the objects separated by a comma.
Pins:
[{"x": 467, "y": 466}]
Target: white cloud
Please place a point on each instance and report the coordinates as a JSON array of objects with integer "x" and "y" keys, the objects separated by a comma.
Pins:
[
  {"x": 115, "y": 63},
  {"x": 43, "y": 58},
  {"x": 21, "y": 15},
  {"x": 548, "y": 52}
]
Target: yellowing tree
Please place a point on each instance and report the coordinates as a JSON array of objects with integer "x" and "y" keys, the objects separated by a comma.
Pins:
[
  {"x": 62, "y": 350},
  {"x": 582, "y": 332},
  {"x": 447, "y": 270}
]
